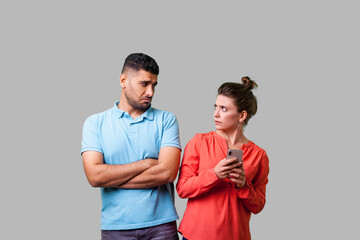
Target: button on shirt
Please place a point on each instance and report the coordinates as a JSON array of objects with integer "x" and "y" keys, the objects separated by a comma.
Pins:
[{"x": 122, "y": 139}]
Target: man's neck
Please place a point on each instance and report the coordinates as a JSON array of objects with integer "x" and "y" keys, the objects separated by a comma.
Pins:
[{"x": 126, "y": 107}]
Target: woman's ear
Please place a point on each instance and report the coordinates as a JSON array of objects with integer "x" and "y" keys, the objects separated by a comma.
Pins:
[{"x": 243, "y": 116}]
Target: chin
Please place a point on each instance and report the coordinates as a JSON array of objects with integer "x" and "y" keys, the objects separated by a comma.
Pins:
[{"x": 143, "y": 106}]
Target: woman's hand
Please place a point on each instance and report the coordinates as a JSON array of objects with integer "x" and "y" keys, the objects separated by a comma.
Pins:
[
  {"x": 237, "y": 175},
  {"x": 226, "y": 166}
]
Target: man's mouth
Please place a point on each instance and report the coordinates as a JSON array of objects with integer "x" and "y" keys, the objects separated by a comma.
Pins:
[{"x": 147, "y": 100}]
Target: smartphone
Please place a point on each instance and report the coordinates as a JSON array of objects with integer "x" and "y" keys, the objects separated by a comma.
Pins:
[{"x": 235, "y": 153}]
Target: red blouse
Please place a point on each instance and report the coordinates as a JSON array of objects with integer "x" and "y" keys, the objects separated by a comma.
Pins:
[{"x": 215, "y": 208}]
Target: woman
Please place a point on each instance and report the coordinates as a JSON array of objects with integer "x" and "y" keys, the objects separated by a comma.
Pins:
[{"x": 222, "y": 193}]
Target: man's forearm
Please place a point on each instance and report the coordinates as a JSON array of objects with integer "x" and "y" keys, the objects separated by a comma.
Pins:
[
  {"x": 152, "y": 177},
  {"x": 105, "y": 175},
  {"x": 163, "y": 172}
]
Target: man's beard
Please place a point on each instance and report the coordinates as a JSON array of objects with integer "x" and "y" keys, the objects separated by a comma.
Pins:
[{"x": 137, "y": 105}]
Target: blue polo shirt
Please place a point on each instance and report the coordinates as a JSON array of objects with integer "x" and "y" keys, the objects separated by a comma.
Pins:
[{"x": 122, "y": 139}]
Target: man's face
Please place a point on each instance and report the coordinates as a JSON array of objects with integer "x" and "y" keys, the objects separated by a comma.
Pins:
[{"x": 140, "y": 88}]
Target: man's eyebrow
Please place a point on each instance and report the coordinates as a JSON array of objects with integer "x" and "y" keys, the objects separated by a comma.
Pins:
[{"x": 148, "y": 81}]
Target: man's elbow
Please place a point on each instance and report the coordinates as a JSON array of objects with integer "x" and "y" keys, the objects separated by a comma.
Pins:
[
  {"x": 167, "y": 174},
  {"x": 169, "y": 177},
  {"x": 94, "y": 181},
  {"x": 172, "y": 178}
]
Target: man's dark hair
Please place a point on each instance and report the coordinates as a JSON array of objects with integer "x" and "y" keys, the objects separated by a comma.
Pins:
[{"x": 138, "y": 61}]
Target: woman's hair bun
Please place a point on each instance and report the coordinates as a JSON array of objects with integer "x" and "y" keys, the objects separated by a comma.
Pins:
[{"x": 248, "y": 83}]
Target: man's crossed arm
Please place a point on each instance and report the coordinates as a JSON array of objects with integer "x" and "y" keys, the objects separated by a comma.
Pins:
[{"x": 145, "y": 173}]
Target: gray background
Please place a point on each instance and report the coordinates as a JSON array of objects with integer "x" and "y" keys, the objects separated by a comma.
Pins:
[{"x": 60, "y": 63}]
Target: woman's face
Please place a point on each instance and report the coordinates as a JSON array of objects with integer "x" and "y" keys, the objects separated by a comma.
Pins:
[{"x": 226, "y": 116}]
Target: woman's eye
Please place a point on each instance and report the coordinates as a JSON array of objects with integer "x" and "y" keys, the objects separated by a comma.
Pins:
[{"x": 224, "y": 109}]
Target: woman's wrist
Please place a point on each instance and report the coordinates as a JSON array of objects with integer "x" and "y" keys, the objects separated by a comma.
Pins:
[{"x": 244, "y": 185}]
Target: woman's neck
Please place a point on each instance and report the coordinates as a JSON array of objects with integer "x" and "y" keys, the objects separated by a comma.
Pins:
[{"x": 235, "y": 139}]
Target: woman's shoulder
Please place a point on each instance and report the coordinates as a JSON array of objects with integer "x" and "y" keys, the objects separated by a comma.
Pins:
[
  {"x": 204, "y": 136},
  {"x": 199, "y": 138},
  {"x": 254, "y": 148},
  {"x": 199, "y": 141}
]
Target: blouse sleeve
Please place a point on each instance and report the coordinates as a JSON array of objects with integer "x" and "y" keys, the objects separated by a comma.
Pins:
[
  {"x": 192, "y": 182},
  {"x": 253, "y": 194}
]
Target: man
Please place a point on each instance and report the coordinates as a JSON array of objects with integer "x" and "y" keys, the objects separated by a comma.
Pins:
[{"x": 132, "y": 152}]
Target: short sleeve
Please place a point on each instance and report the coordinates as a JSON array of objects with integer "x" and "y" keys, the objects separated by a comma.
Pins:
[
  {"x": 170, "y": 137},
  {"x": 90, "y": 135}
]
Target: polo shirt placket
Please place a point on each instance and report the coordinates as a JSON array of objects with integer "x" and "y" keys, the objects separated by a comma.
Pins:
[{"x": 134, "y": 126}]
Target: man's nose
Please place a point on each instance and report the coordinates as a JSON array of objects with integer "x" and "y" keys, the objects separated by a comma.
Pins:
[{"x": 150, "y": 91}]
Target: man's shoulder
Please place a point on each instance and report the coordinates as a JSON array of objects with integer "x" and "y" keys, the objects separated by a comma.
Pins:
[
  {"x": 162, "y": 113},
  {"x": 99, "y": 116}
]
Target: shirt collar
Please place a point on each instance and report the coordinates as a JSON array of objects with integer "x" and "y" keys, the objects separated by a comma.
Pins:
[
  {"x": 119, "y": 113},
  {"x": 149, "y": 114}
]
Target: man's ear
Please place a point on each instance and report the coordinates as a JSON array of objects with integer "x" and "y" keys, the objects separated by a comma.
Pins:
[{"x": 123, "y": 80}]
